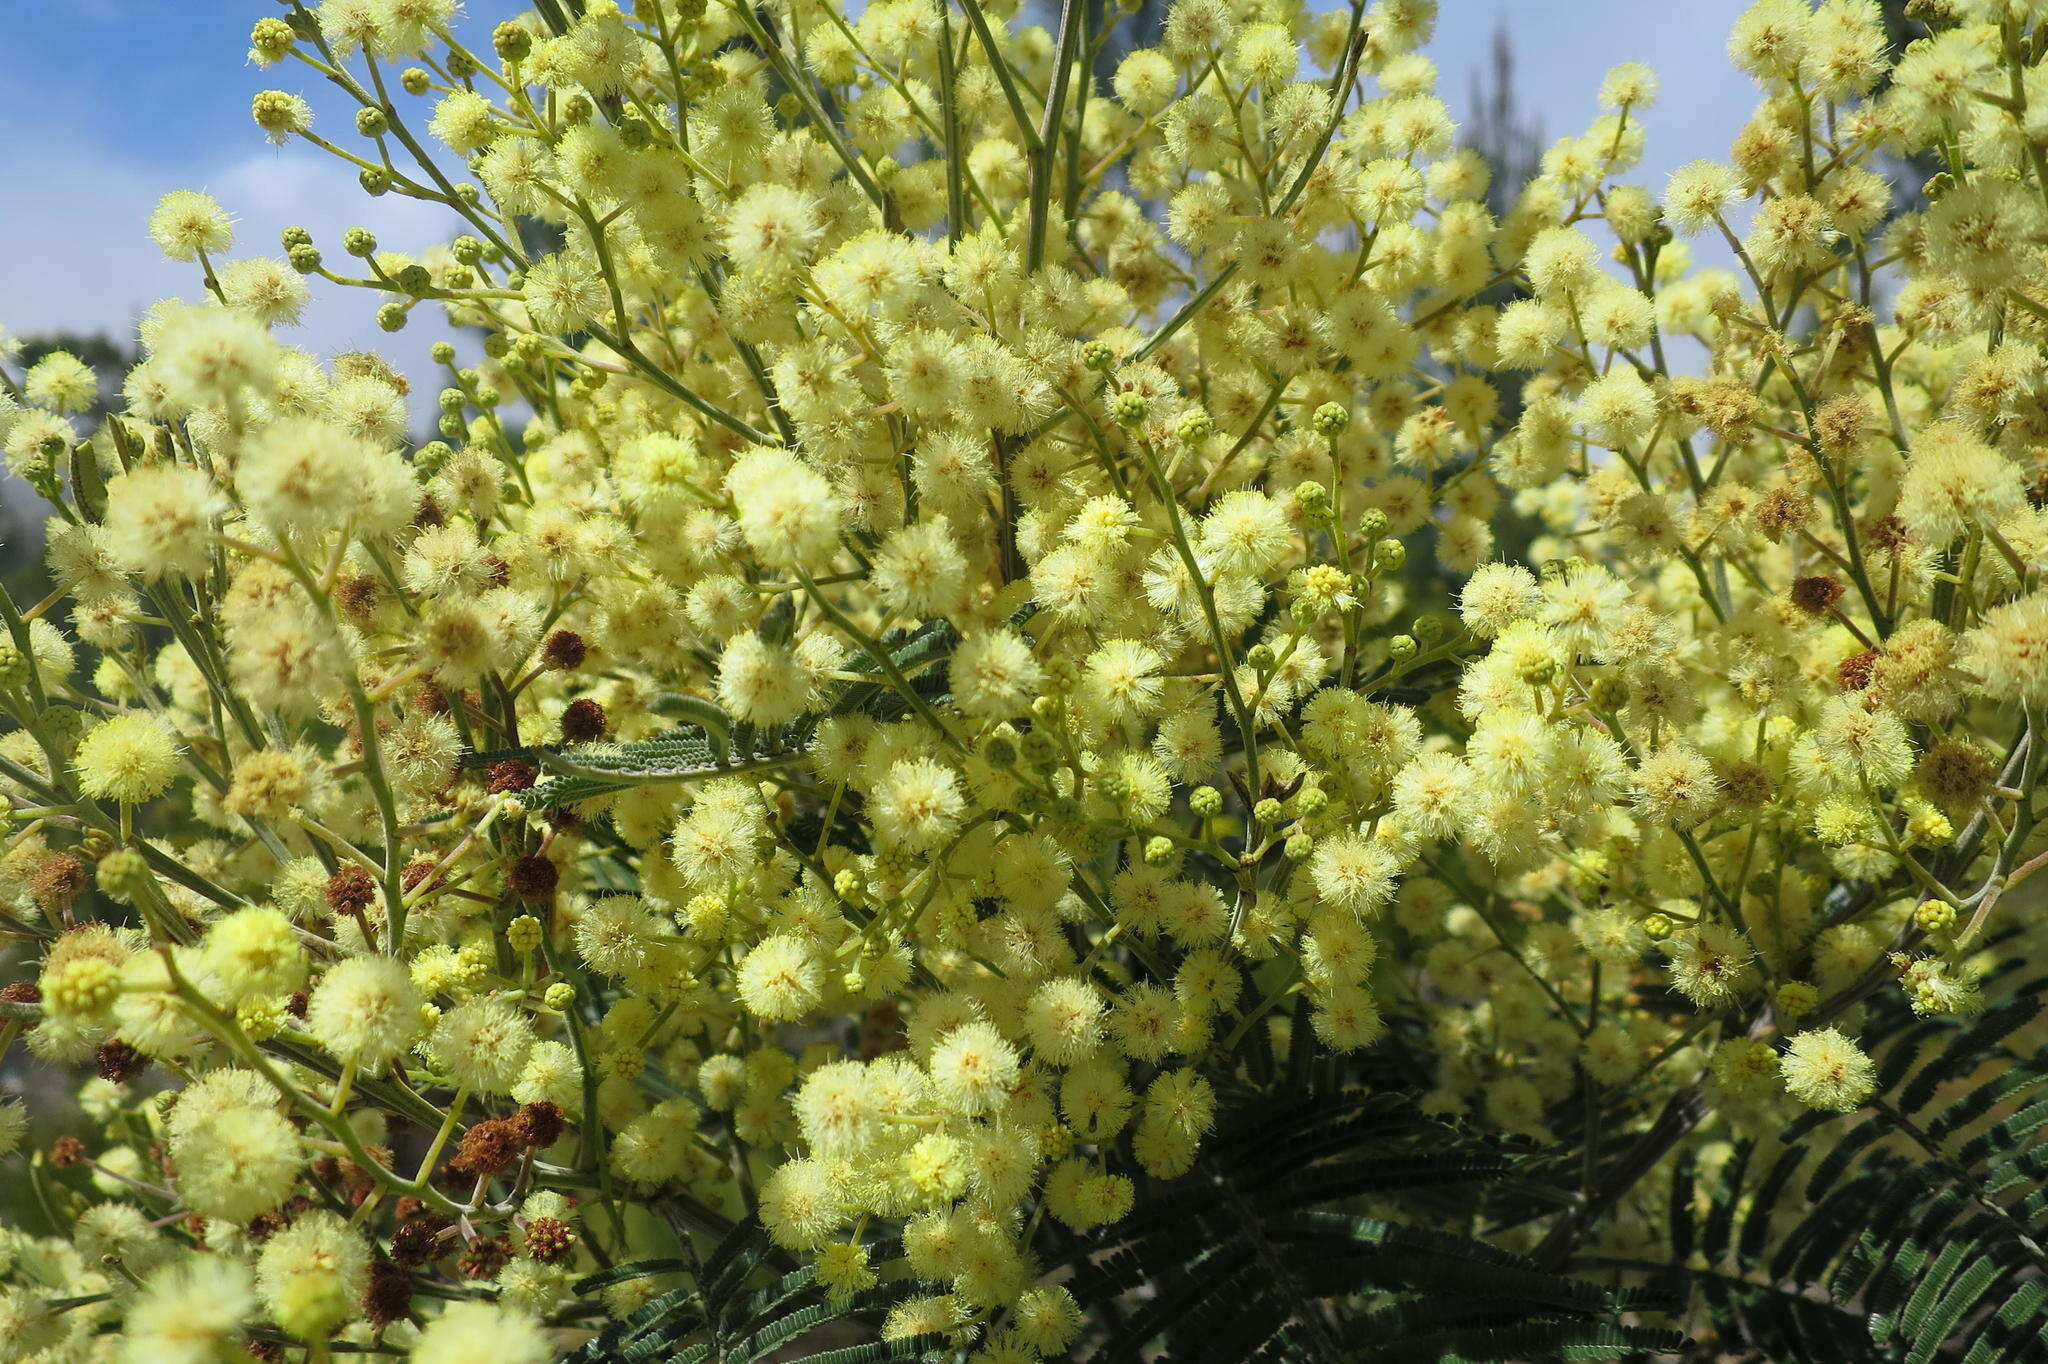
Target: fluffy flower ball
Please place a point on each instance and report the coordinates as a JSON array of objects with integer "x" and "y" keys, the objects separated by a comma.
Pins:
[
  {"x": 130, "y": 758},
  {"x": 482, "y": 1045},
  {"x": 482, "y": 1333},
  {"x": 186, "y": 222},
  {"x": 1826, "y": 1070},
  {"x": 365, "y": 1011}
]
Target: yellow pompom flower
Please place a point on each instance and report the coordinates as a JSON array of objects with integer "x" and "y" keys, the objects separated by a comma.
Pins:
[
  {"x": 130, "y": 758},
  {"x": 186, "y": 222},
  {"x": 1826, "y": 1070}
]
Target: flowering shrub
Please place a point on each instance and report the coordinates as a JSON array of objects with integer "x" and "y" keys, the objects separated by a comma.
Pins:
[{"x": 974, "y": 626}]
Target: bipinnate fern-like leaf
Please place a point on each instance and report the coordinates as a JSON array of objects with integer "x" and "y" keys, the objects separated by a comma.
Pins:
[
  {"x": 1912, "y": 1230},
  {"x": 1259, "y": 1253},
  {"x": 732, "y": 1309},
  {"x": 708, "y": 743}
]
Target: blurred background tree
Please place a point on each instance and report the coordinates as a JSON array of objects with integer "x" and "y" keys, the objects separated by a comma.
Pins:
[
  {"x": 20, "y": 535},
  {"x": 1499, "y": 130}
]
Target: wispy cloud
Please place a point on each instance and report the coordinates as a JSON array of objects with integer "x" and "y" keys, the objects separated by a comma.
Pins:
[
  {"x": 74, "y": 251},
  {"x": 83, "y": 260}
]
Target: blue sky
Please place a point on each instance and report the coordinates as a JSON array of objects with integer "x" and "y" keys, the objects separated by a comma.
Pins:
[{"x": 105, "y": 104}]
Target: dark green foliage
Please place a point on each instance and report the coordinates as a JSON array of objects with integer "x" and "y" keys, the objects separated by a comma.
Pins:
[
  {"x": 1259, "y": 1253},
  {"x": 707, "y": 743},
  {"x": 1912, "y": 1230},
  {"x": 714, "y": 1318},
  {"x": 687, "y": 753},
  {"x": 1329, "y": 1219}
]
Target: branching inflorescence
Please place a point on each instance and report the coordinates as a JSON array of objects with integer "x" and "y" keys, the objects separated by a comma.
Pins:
[{"x": 975, "y": 597}]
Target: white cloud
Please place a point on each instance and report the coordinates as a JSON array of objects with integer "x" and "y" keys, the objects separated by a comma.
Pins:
[
  {"x": 76, "y": 255},
  {"x": 80, "y": 258}
]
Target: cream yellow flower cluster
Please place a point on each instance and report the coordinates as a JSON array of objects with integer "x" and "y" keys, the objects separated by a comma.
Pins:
[{"x": 968, "y": 595}]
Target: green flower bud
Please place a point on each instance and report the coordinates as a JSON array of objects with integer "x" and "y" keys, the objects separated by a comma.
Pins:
[
  {"x": 375, "y": 180},
  {"x": 559, "y": 996},
  {"x": 1935, "y": 916},
  {"x": 523, "y": 934},
  {"x": 66, "y": 723},
  {"x": 1260, "y": 656},
  {"x": 359, "y": 241},
  {"x": 123, "y": 875},
  {"x": 1097, "y": 355},
  {"x": 270, "y": 41},
  {"x": 1158, "y": 850},
  {"x": 1311, "y": 801},
  {"x": 392, "y": 317},
  {"x": 262, "y": 1019},
  {"x": 1206, "y": 801},
  {"x": 1656, "y": 926},
  {"x": 1372, "y": 523},
  {"x": 415, "y": 80},
  {"x": 1389, "y": 555},
  {"x": 278, "y": 113},
  {"x": 1796, "y": 997},
  {"x": 1311, "y": 496},
  {"x": 1608, "y": 693},
  {"x": 1298, "y": 848},
  {"x": 1001, "y": 748},
  {"x": 1331, "y": 418},
  {"x": 1194, "y": 427},
  {"x": 1401, "y": 648},
  {"x": 511, "y": 41},
  {"x": 1128, "y": 407},
  {"x": 442, "y": 352},
  {"x": 1267, "y": 811},
  {"x": 304, "y": 259},
  {"x": 295, "y": 236},
  {"x": 1040, "y": 752},
  {"x": 13, "y": 663},
  {"x": 371, "y": 121}
]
